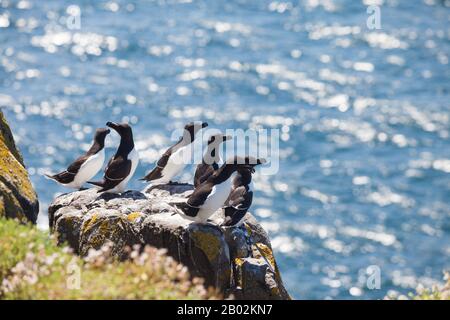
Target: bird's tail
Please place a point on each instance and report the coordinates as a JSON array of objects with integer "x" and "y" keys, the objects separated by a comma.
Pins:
[
  {"x": 49, "y": 176},
  {"x": 97, "y": 183},
  {"x": 178, "y": 204},
  {"x": 180, "y": 207},
  {"x": 100, "y": 184},
  {"x": 175, "y": 209}
]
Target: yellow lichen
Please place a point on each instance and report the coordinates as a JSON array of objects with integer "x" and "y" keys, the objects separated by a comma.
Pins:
[
  {"x": 133, "y": 216},
  {"x": 238, "y": 261},
  {"x": 208, "y": 243},
  {"x": 249, "y": 230},
  {"x": 15, "y": 187},
  {"x": 90, "y": 223},
  {"x": 7, "y": 138},
  {"x": 12, "y": 171},
  {"x": 267, "y": 254},
  {"x": 106, "y": 229},
  {"x": 99, "y": 235},
  {"x": 275, "y": 291}
]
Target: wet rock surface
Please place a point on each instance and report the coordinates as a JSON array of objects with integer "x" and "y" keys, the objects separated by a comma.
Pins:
[{"x": 238, "y": 261}]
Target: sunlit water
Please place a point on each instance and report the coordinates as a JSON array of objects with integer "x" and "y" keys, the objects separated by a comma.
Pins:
[{"x": 364, "y": 177}]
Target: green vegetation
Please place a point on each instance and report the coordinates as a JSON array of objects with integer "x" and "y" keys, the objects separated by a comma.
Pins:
[
  {"x": 33, "y": 267},
  {"x": 435, "y": 293}
]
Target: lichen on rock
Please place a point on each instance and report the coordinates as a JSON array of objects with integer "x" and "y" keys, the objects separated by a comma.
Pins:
[
  {"x": 17, "y": 196},
  {"x": 237, "y": 261}
]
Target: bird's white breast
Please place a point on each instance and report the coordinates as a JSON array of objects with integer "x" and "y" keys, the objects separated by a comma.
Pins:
[
  {"x": 89, "y": 169},
  {"x": 176, "y": 163},
  {"x": 216, "y": 199}
]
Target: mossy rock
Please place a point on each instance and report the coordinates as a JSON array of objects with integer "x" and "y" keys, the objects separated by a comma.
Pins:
[
  {"x": 17, "y": 196},
  {"x": 236, "y": 261},
  {"x": 106, "y": 226}
]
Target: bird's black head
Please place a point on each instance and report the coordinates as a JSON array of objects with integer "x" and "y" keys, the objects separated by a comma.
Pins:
[
  {"x": 100, "y": 135},
  {"x": 247, "y": 163},
  {"x": 99, "y": 140},
  {"x": 191, "y": 129},
  {"x": 126, "y": 136},
  {"x": 243, "y": 165},
  {"x": 218, "y": 138},
  {"x": 123, "y": 129}
]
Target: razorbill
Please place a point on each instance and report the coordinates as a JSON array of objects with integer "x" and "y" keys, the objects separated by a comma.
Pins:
[
  {"x": 173, "y": 160},
  {"x": 210, "y": 195},
  {"x": 122, "y": 165},
  {"x": 86, "y": 166},
  {"x": 211, "y": 158},
  {"x": 241, "y": 196}
]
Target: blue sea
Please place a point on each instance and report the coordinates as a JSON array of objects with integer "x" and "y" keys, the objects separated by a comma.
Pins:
[{"x": 364, "y": 116}]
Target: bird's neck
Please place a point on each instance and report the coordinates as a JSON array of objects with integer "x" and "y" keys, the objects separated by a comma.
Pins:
[
  {"x": 223, "y": 174},
  {"x": 243, "y": 178},
  {"x": 125, "y": 147},
  {"x": 187, "y": 139},
  {"x": 96, "y": 146}
]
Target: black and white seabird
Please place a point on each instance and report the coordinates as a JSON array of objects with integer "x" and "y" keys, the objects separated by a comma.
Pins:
[
  {"x": 241, "y": 196},
  {"x": 211, "y": 195},
  {"x": 86, "y": 166},
  {"x": 211, "y": 158},
  {"x": 122, "y": 165},
  {"x": 173, "y": 161}
]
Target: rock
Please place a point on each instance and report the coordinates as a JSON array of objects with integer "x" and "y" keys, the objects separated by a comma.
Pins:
[
  {"x": 17, "y": 196},
  {"x": 238, "y": 261}
]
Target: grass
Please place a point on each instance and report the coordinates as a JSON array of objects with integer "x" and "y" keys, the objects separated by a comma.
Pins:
[{"x": 33, "y": 267}]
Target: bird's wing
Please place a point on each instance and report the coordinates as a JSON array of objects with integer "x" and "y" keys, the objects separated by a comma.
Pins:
[
  {"x": 186, "y": 208},
  {"x": 237, "y": 206},
  {"x": 118, "y": 169},
  {"x": 156, "y": 173},
  {"x": 76, "y": 165},
  {"x": 62, "y": 177},
  {"x": 165, "y": 157},
  {"x": 202, "y": 173},
  {"x": 241, "y": 198},
  {"x": 68, "y": 175},
  {"x": 195, "y": 200},
  {"x": 200, "y": 194}
]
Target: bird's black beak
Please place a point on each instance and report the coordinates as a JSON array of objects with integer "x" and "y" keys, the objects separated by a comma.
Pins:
[
  {"x": 226, "y": 138},
  {"x": 113, "y": 125},
  {"x": 204, "y": 124},
  {"x": 261, "y": 161}
]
